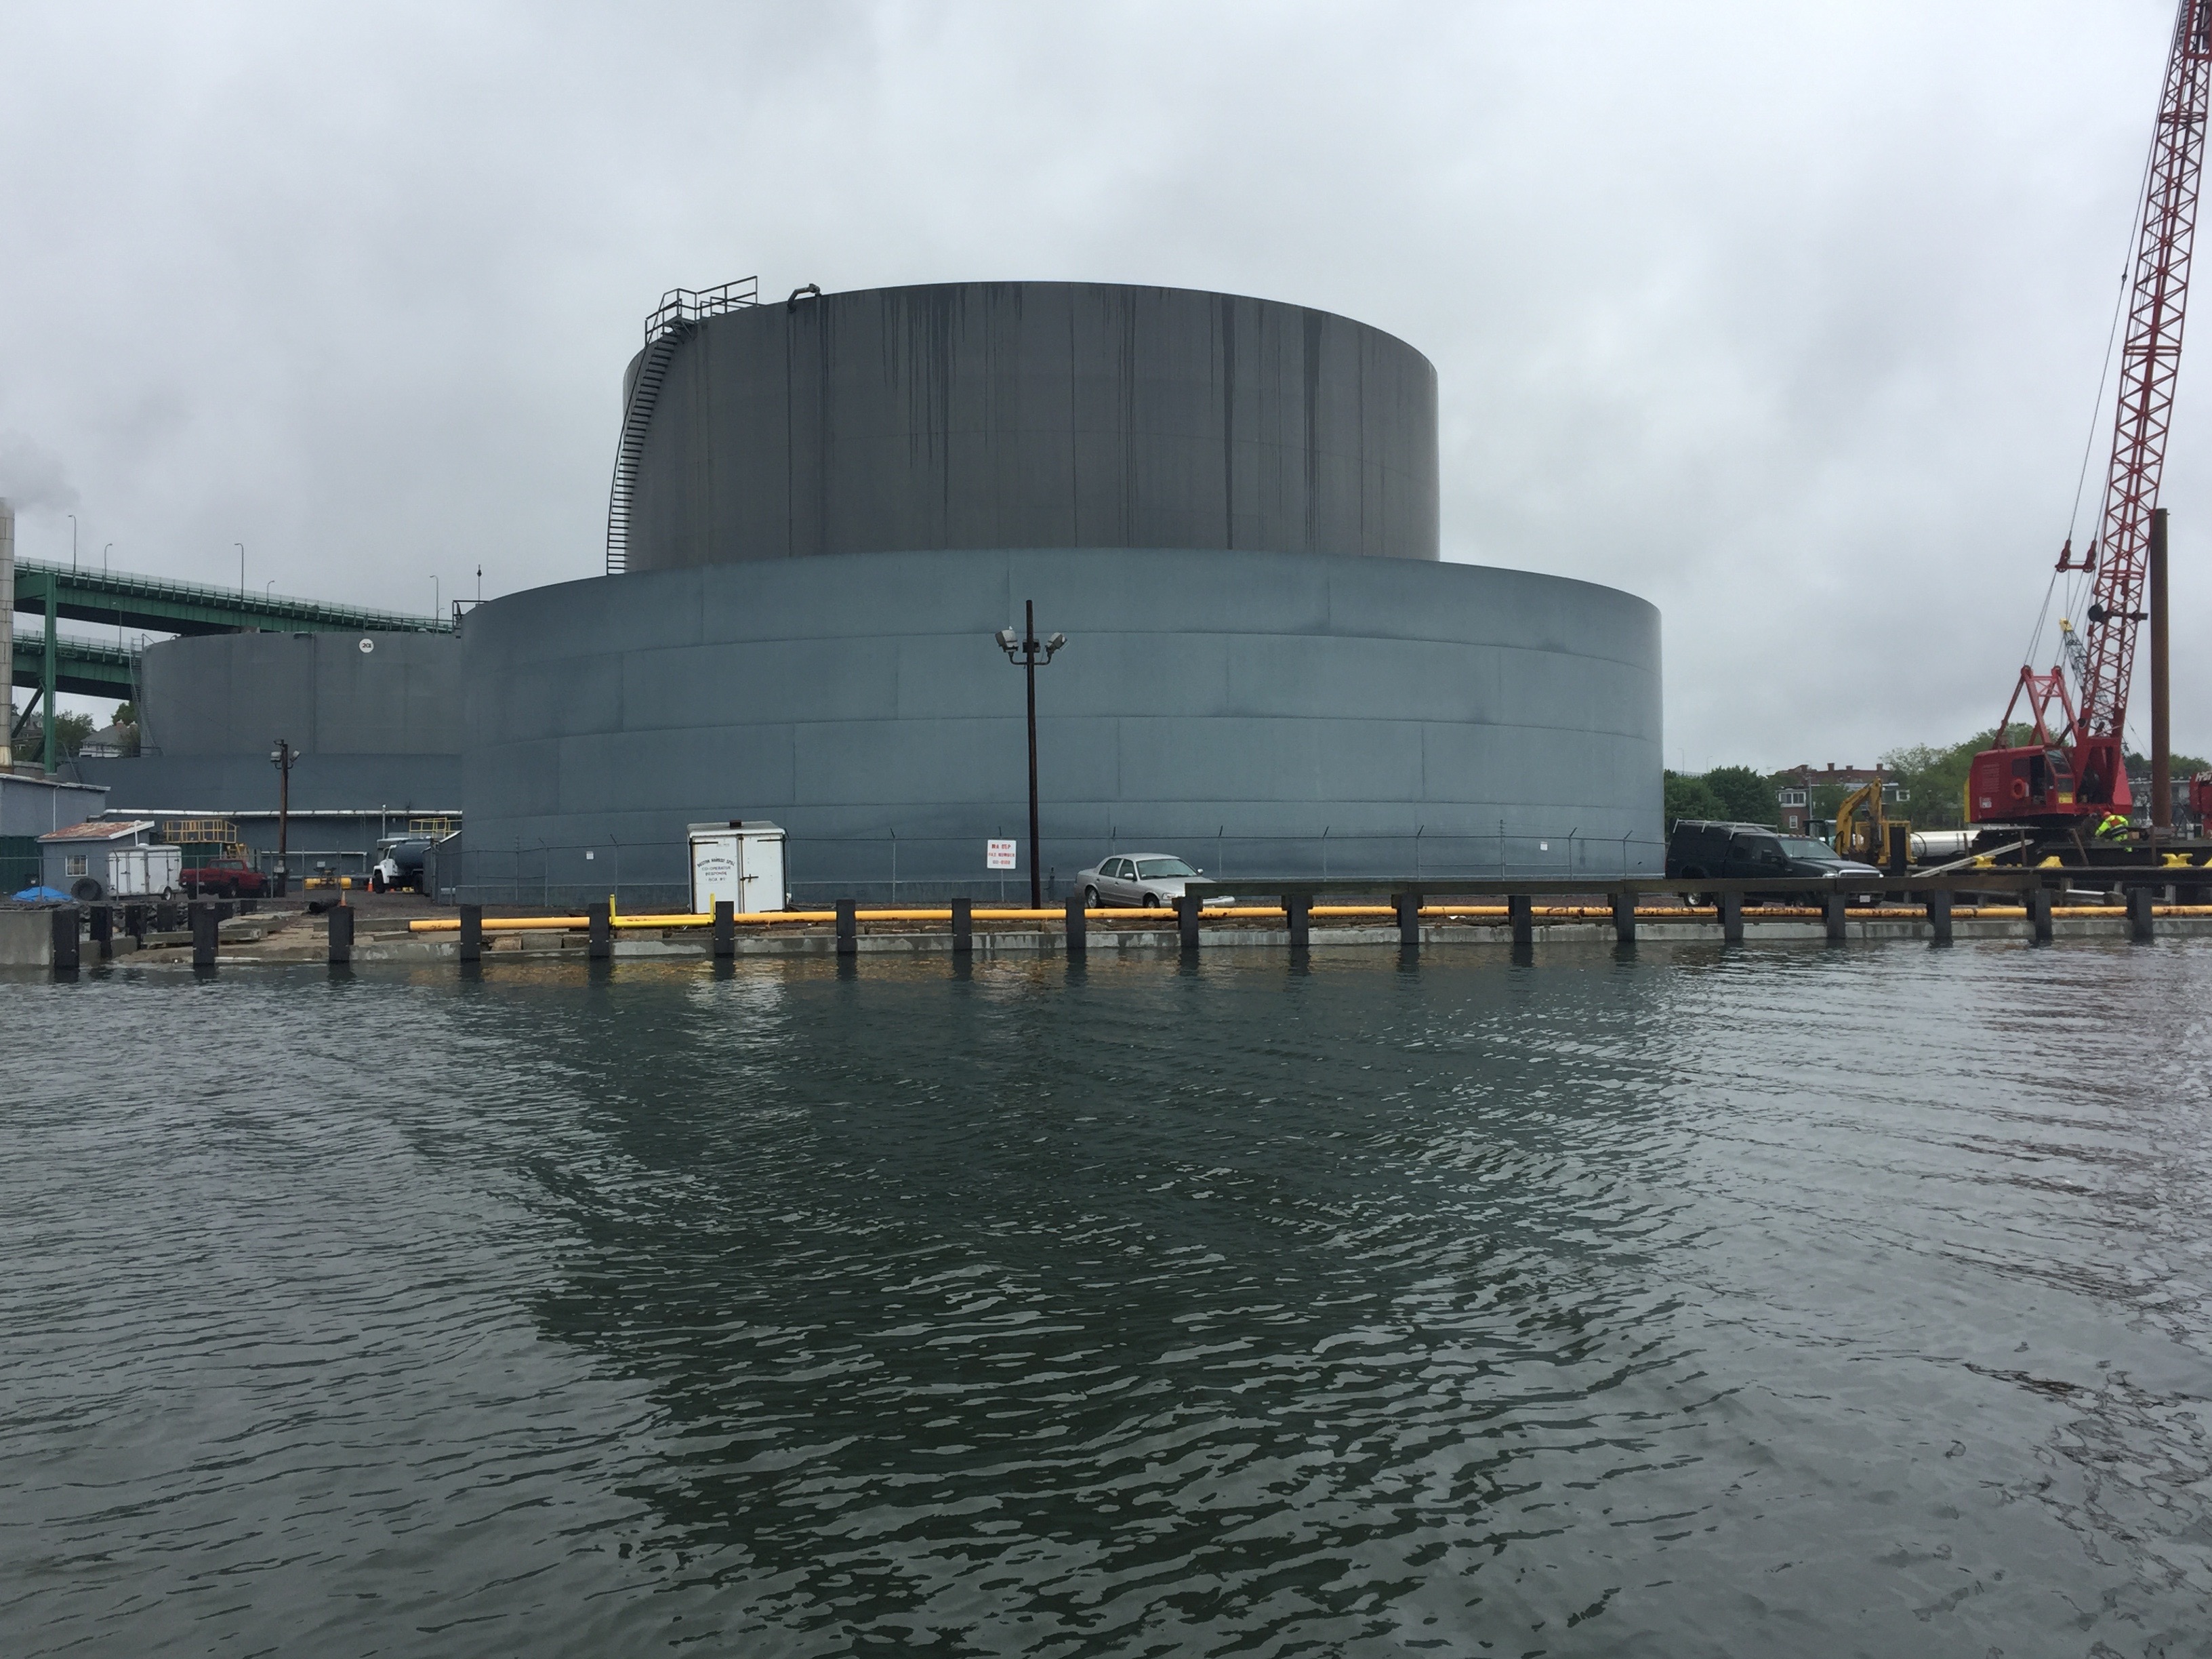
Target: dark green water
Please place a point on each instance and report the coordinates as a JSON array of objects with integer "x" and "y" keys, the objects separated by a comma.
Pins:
[{"x": 1802, "y": 1302}]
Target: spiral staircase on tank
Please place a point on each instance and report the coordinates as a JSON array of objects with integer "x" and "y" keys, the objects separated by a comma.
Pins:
[{"x": 680, "y": 311}]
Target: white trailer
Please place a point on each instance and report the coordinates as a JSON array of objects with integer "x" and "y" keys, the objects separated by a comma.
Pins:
[
  {"x": 740, "y": 861},
  {"x": 150, "y": 871}
]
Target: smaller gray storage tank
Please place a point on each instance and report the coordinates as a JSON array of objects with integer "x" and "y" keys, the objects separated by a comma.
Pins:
[
  {"x": 373, "y": 720},
  {"x": 326, "y": 693}
]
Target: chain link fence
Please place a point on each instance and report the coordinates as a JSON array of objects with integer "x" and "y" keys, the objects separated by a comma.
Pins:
[{"x": 889, "y": 869}]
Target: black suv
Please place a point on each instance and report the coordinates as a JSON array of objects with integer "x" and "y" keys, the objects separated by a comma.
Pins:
[{"x": 1701, "y": 850}]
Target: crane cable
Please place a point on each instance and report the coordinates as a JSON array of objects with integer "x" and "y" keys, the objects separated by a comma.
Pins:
[{"x": 2088, "y": 449}]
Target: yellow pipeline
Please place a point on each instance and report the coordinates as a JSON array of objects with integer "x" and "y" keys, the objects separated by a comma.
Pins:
[
  {"x": 511, "y": 924},
  {"x": 1256, "y": 913}
]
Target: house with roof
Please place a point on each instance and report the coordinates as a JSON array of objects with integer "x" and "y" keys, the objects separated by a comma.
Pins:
[{"x": 87, "y": 861}]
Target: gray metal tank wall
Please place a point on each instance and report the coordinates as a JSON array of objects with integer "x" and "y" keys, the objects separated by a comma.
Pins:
[
  {"x": 1260, "y": 714},
  {"x": 236, "y": 694},
  {"x": 189, "y": 784},
  {"x": 373, "y": 729},
  {"x": 1041, "y": 414}
]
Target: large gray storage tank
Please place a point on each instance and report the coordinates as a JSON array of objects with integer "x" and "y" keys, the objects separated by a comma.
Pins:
[
  {"x": 1036, "y": 415},
  {"x": 1228, "y": 505},
  {"x": 1273, "y": 715}
]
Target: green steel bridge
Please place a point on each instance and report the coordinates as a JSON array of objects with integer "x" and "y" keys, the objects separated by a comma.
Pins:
[{"x": 49, "y": 663}]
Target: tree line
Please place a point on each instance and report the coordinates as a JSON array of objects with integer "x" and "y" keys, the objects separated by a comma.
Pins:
[{"x": 1933, "y": 778}]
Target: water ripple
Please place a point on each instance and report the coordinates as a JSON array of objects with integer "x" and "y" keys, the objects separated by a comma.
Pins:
[{"x": 1689, "y": 1303}]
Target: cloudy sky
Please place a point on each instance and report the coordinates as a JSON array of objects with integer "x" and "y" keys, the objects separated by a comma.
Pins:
[{"x": 1790, "y": 318}]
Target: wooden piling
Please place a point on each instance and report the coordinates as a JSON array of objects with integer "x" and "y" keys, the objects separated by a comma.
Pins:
[
  {"x": 963, "y": 928},
  {"x": 341, "y": 920},
  {"x": 1939, "y": 913},
  {"x": 2141, "y": 923},
  {"x": 725, "y": 928}
]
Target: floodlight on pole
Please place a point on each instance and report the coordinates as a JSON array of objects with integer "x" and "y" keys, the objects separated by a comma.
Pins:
[{"x": 1025, "y": 652}]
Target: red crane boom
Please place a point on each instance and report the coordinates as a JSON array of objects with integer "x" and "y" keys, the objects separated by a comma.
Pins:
[{"x": 2077, "y": 767}]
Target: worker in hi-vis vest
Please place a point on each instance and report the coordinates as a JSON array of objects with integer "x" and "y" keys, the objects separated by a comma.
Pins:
[{"x": 2112, "y": 827}]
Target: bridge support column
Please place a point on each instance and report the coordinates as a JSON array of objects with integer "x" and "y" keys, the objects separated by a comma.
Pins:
[{"x": 50, "y": 744}]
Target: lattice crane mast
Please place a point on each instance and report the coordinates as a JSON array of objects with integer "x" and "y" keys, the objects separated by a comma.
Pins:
[{"x": 2074, "y": 767}]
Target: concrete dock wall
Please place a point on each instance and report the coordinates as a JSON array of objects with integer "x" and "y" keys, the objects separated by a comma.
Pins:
[{"x": 27, "y": 939}]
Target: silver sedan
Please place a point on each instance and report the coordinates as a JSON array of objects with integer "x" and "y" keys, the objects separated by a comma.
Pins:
[{"x": 1154, "y": 881}]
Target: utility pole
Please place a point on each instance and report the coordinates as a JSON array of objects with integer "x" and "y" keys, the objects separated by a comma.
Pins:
[
  {"x": 281, "y": 757},
  {"x": 1024, "y": 653}
]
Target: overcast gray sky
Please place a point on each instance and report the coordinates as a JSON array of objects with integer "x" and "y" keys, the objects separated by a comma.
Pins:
[{"x": 1789, "y": 318}]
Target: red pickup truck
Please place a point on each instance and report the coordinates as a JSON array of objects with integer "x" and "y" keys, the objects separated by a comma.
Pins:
[{"x": 227, "y": 878}]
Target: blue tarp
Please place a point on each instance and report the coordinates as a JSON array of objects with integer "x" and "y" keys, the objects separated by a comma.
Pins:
[{"x": 40, "y": 896}]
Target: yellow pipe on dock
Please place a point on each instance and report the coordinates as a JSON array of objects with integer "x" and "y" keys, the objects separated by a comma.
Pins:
[{"x": 1258, "y": 912}]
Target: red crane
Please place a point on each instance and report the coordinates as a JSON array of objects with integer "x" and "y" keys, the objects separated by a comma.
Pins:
[{"x": 2075, "y": 768}]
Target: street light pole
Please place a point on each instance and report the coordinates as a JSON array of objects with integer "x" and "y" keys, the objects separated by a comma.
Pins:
[{"x": 1024, "y": 653}]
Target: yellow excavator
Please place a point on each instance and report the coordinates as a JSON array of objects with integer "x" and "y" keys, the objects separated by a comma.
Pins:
[{"x": 1862, "y": 828}]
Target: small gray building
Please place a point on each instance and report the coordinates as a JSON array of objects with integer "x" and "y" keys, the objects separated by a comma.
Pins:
[
  {"x": 87, "y": 859},
  {"x": 81, "y": 859},
  {"x": 30, "y": 806}
]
